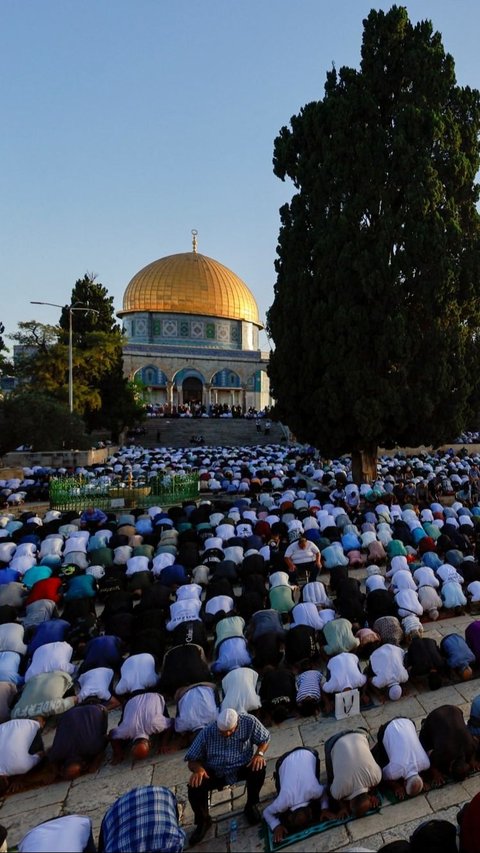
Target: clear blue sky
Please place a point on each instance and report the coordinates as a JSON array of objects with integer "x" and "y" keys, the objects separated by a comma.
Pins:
[{"x": 126, "y": 123}]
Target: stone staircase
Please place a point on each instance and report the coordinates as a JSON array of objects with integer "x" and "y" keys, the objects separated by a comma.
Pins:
[{"x": 178, "y": 432}]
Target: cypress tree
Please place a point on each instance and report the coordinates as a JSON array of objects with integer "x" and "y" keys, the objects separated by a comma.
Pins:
[{"x": 375, "y": 318}]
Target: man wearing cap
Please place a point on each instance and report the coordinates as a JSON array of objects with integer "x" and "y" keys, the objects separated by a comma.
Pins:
[
  {"x": 401, "y": 756},
  {"x": 230, "y": 749},
  {"x": 387, "y": 670}
]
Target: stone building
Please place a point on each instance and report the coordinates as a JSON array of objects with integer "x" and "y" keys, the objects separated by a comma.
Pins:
[{"x": 192, "y": 330}]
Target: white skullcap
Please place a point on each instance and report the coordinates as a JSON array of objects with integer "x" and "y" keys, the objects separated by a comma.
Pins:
[
  {"x": 414, "y": 785},
  {"x": 395, "y": 692},
  {"x": 227, "y": 719}
]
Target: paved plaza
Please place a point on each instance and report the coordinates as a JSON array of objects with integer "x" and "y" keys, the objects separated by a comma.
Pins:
[{"x": 93, "y": 793}]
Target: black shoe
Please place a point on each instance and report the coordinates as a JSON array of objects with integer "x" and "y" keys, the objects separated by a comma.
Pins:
[
  {"x": 200, "y": 832},
  {"x": 252, "y": 814}
]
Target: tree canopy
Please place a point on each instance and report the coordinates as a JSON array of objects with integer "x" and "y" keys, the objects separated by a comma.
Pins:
[
  {"x": 118, "y": 404},
  {"x": 5, "y": 364},
  {"x": 102, "y": 395},
  {"x": 376, "y": 317},
  {"x": 44, "y": 363},
  {"x": 88, "y": 293},
  {"x": 32, "y": 417}
]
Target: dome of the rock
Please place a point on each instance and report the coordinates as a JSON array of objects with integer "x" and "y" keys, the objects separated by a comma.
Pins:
[
  {"x": 192, "y": 335},
  {"x": 190, "y": 283}
]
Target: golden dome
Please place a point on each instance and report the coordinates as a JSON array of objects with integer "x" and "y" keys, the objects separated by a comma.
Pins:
[{"x": 190, "y": 283}]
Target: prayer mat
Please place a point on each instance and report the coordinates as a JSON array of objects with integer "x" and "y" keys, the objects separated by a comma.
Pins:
[
  {"x": 389, "y": 794},
  {"x": 386, "y": 796},
  {"x": 314, "y": 829}
]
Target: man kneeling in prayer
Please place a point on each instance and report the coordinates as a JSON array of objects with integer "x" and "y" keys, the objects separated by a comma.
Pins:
[
  {"x": 301, "y": 800},
  {"x": 401, "y": 756},
  {"x": 352, "y": 773}
]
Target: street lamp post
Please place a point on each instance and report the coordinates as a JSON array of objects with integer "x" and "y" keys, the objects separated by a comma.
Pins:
[{"x": 70, "y": 308}]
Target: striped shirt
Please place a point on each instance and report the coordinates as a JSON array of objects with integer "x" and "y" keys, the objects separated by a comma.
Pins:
[{"x": 308, "y": 685}]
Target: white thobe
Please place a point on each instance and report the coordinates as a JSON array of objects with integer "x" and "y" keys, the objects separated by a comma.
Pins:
[
  {"x": 16, "y": 738},
  {"x": 387, "y": 664},
  {"x": 298, "y": 785},
  {"x": 344, "y": 673},
  {"x": 406, "y": 754},
  {"x": 142, "y": 716}
]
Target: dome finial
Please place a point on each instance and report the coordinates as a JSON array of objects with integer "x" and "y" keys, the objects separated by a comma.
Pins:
[{"x": 194, "y": 240}]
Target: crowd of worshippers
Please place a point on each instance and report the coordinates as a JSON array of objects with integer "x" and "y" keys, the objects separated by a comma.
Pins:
[
  {"x": 252, "y": 470},
  {"x": 220, "y": 469},
  {"x": 196, "y": 409},
  {"x": 355, "y": 772},
  {"x": 146, "y": 819},
  {"x": 208, "y": 623}
]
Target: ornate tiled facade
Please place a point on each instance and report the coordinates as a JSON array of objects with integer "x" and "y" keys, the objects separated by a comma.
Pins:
[{"x": 156, "y": 328}]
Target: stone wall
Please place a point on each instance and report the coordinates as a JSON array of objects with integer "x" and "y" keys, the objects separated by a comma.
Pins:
[
  {"x": 57, "y": 458},
  {"x": 415, "y": 451}
]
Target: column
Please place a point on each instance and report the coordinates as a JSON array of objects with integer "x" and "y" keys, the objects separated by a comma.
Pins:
[
  {"x": 170, "y": 395},
  {"x": 244, "y": 398},
  {"x": 206, "y": 396}
]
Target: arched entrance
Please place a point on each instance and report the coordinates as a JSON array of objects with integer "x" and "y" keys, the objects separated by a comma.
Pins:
[
  {"x": 192, "y": 389},
  {"x": 189, "y": 383}
]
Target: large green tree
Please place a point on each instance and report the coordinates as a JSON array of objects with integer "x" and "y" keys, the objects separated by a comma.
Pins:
[
  {"x": 114, "y": 406},
  {"x": 376, "y": 313},
  {"x": 33, "y": 417},
  {"x": 102, "y": 395},
  {"x": 89, "y": 293},
  {"x": 44, "y": 363}
]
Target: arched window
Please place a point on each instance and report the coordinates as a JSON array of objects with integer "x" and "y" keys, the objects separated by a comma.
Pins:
[
  {"x": 226, "y": 379},
  {"x": 254, "y": 382},
  {"x": 152, "y": 376}
]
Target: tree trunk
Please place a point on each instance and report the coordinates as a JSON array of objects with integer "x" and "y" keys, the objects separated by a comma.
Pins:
[{"x": 364, "y": 465}]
